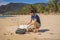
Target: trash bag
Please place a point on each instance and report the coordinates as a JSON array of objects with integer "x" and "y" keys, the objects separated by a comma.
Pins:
[{"x": 21, "y": 31}]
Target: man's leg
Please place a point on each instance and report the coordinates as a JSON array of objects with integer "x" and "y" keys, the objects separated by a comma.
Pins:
[{"x": 35, "y": 26}]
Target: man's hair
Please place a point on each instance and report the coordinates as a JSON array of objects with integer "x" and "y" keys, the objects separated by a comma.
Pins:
[{"x": 32, "y": 11}]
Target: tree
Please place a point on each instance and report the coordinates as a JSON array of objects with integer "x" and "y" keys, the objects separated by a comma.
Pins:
[
  {"x": 53, "y": 5},
  {"x": 25, "y": 9},
  {"x": 40, "y": 8}
]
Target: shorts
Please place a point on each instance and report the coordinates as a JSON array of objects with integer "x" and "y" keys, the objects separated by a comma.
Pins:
[{"x": 38, "y": 25}]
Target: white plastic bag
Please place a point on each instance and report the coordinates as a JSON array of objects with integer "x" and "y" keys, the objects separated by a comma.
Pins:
[{"x": 23, "y": 26}]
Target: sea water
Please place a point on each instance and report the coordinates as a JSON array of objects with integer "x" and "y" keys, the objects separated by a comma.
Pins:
[{"x": 5, "y": 16}]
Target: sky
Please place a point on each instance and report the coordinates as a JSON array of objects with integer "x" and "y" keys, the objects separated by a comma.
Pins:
[{"x": 4, "y": 2}]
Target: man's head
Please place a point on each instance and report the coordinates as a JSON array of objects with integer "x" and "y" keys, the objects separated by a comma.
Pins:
[{"x": 32, "y": 12}]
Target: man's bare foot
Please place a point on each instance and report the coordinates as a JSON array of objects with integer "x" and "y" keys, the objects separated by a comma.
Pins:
[{"x": 35, "y": 31}]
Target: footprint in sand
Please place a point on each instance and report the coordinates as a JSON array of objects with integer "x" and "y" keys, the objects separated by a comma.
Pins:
[
  {"x": 5, "y": 34},
  {"x": 8, "y": 39},
  {"x": 52, "y": 33},
  {"x": 11, "y": 33},
  {"x": 39, "y": 33},
  {"x": 8, "y": 33}
]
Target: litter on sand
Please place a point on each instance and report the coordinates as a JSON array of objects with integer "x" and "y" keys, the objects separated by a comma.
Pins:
[{"x": 22, "y": 29}]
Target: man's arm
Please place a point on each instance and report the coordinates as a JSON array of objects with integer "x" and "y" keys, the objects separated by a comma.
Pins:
[
  {"x": 29, "y": 22},
  {"x": 32, "y": 22}
]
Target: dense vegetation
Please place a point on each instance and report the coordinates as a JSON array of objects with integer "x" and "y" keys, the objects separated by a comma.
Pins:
[{"x": 53, "y": 6}]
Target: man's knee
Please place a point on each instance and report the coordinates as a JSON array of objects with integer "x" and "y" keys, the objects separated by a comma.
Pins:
[{"x": 33, "y": 22}]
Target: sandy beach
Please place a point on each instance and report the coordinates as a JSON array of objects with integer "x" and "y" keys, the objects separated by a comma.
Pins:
[{"x": 50, "y": 23}]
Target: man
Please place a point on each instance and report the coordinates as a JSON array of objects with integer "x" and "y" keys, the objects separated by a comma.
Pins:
[{"x": 35, "y": 21}]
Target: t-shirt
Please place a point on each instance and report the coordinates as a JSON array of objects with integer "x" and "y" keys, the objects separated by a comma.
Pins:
[{"x": 35, "y": 16}]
